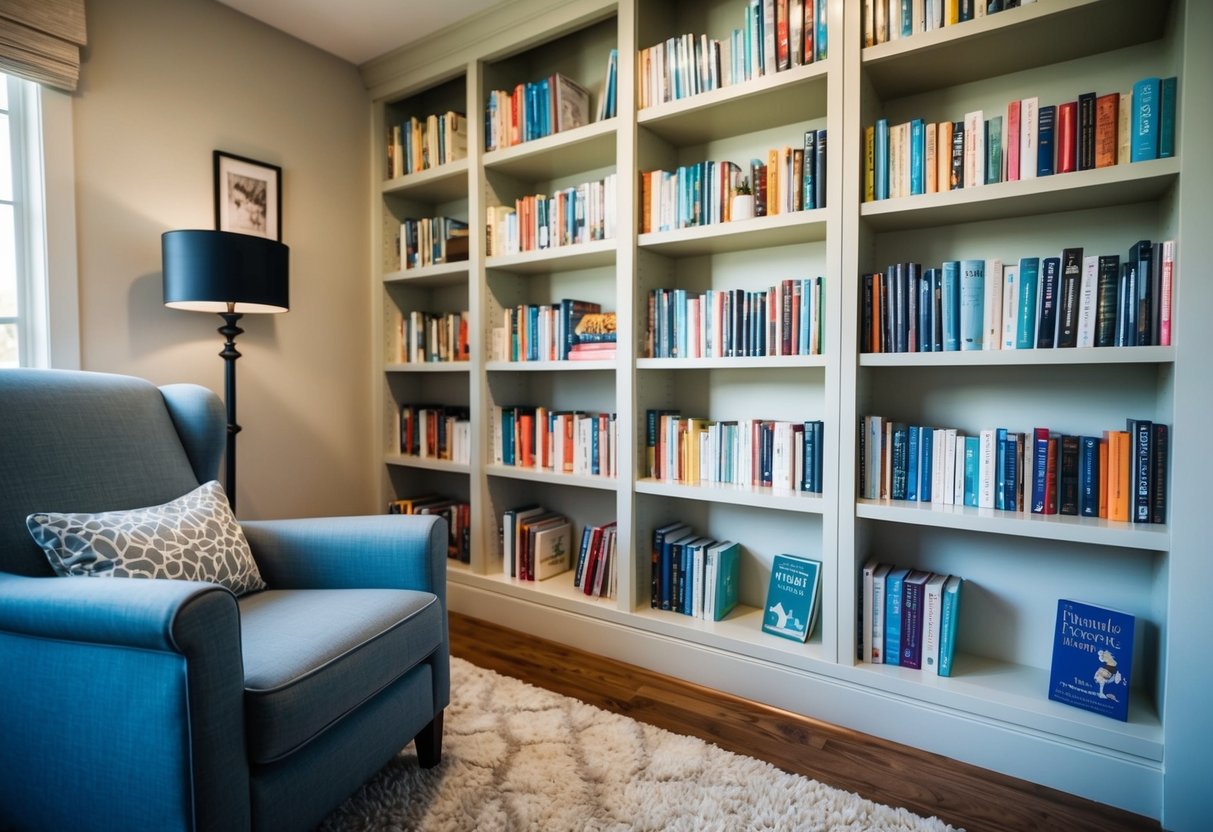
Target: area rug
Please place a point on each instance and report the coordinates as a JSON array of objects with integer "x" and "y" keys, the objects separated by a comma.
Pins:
[{"x": 517, "y": 757}]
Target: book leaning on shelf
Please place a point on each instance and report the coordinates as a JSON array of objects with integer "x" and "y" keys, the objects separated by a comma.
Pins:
[
  {"x": 1069, "y": 300},
  {"x": 534, "y": 110},
  {"x": 792, "y": 597},
  {"x": 1023, "y": 140},
  {"x": 909, "y": 617},
  {"x": 420, "y": 144},
  {"x": 1092, "y": 658},
  {"x": 535, "y": 543},
  {"x": 693, "y": 574},
  {"x": 781, "y": 455},
  {"x": 1119, "y": 475},
  {"x": 775, "y": 35}
]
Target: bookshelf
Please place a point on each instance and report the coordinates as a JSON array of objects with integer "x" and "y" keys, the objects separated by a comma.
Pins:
[{"x": 994, "y": 711}]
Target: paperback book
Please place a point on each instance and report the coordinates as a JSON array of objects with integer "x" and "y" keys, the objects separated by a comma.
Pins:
[
  {"x": 792, "y": 598},
  {"x": 1092, "y": 658}
]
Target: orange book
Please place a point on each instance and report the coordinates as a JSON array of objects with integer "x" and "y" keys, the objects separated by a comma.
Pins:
[
  {"x": 1103, "y": 476},
  {"x": 943, "y": 156},
  {"x": 1107, "y": 124},
  {"x": 773, "y": 196},
  {"x": 1118, "y": 475},
  {"x": 877, "y": 322}
]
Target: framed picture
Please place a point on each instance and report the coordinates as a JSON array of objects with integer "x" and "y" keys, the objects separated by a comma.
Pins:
[{"x": 248, "y": 196}]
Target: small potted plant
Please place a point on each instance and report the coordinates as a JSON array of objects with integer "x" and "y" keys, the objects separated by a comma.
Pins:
[{"x": 743, "y": 202}]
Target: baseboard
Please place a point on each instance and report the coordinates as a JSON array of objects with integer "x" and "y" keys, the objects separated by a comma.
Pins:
[{"x": 887, "y": 772}]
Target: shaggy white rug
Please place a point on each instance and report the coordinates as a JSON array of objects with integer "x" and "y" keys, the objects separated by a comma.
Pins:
[{"x": 519, "y": 757}]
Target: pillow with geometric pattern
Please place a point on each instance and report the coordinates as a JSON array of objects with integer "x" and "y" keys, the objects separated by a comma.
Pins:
[{"x": 193, "y": 538}]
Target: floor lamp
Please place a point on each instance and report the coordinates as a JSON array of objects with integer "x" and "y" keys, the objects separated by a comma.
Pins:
[{"x": 230, "y": 274}]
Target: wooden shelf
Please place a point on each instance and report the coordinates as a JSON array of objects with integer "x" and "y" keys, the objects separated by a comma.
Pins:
[
  {"x": 769, "y": 101},
  {"x": 1038, "y": 34},
  {"x": 1088, "y": 530},
  {"x": 559, "y": 155},
  {"x": 1118, "y": 185},
  {"x": 445, "y": 183}
]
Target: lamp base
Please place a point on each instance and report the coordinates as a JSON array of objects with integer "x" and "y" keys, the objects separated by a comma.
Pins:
[{"x": 229, "y": 331}]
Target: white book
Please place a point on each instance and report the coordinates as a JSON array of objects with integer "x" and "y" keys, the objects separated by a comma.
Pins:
[
  {"x": 1010, "y": 304},
  {"x": 876, "y": 635},
  {"x": 710, "y": 559},
  {"x": 1088, "y": 292},
  {"x": 932, "y": 614},
  {"x": 872, "y": 454},
  {"x": 975, "y": 149},
  {"x": 938, "y": 462},
  {"x": 949, "y": 467},
  {"x": 992, "y": 308},
  {"x": 865, "y": 626},
  {"x": 986, "y": 470},
  {"x": 920, "y": 16},
  {"x": 958, "y": 472},
  {"x": 552, "y": 551},
  {"x": 903, "y": 172},
  {"x": 894, "y": 20},
  {"x": 1029, "y": 114}
]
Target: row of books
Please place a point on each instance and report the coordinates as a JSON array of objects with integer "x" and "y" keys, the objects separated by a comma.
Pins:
[
  {"x": 1025, "y": 141},
  {"x": 1066, "y": 301},
  {"x": 430, "y": 240},
  {"x": 888, "y": 20},
  {"x": 578, "y": 214},
  {"x": 458, "y": 516},
  {"x": 1119, "y": 475},
  {"x": 563, "y": 441},
  {"x": 766, "y": 453},
  {"x": 534, "y": 110},
  {"x": 775, "y": 35},
  {"x": 420, "y": 144},
  {"x": 436, "y": 431},
  {"x": 693, "y": 574},
  {"x": 536, "y": 543},
  {"x": 552, "y": 332},
  {"x": 786, "y": 319},
  {"x": 910, "y": 617},
  {"x": 596, "y": 561},
  {"x": 427, "y": 337}
]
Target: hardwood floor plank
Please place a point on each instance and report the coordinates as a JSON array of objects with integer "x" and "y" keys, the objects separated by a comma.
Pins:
[{"x": 887, "y": 772}]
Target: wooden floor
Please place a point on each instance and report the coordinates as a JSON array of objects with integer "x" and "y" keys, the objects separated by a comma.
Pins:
[{"x": 897, "y": 775}]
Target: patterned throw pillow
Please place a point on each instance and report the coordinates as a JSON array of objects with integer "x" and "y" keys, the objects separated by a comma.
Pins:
[{"x": 192, "y": 538}]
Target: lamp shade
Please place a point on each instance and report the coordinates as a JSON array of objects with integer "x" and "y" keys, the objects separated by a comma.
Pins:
[{"x": 221, "y": 271}]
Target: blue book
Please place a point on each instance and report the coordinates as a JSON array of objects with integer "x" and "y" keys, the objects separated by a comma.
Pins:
[
  {"x": 948, "y": 621},
  {"x": 926, "y": 307},
  {"x": 918, "y": 152},
  {"x": 1029, "y": 281},
  {"x": 1144, "y": 127},
  {"x": 792, "y": 597},
  {"x": 1040, "y": 470},
  {"x": 1000, "y": 468},
  {"x": 972, "y": 465},
  {"x": 900, "y": 460},
  {"x": 912, "y": 463},
  {"x": 1088, "y": 476},
  {"x": 1092, "y": 658},
  {"x": 1010, "y": 501},
  {"x": 722, "y": 579},
  {"x": 949, "y": 303},
  {"x": 994, "y": 151},
  {"x": 892, "y": 615},
  {"x": 972, "y": 303},
  {"x": 1166, "y": 117},
  {"x": 926, "y": 439},
  {"x": 1050, "y": 292},
  {"x": 820, "y": 42},
  {"x": 880, "y": 161},
  {"x": 1046, "y": 120}
]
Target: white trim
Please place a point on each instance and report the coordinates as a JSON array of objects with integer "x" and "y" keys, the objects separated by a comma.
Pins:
[{"x": 63, "y": 295}]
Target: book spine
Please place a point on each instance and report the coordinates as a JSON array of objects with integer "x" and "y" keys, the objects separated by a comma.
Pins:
[
  {"x": 950, "y": 302},
  {"x": 948, "y": 622},
  {"x": 1166, "y": 117},
  {"x": 911, "y": 624},
  {"x": 1158, "y": 474},
  {"x": 1144, "y": 139},
  {"x": 1141, "y": 434},
  {"x": 1050, "y": 280},
  {"x": 1029, "y": 273},
  {"x": 1067, "y": 137},
  {"x": 892, "y": 624},
  {"x": 1046, "y": 125},
  {"x": 1086, "y": 131},
  {"x": 1088, "y": 476}
]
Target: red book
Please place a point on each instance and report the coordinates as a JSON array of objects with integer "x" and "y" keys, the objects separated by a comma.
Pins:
[
  {"x": 1051, "y": 477},
  {"x": 1067, "y": 137},
  {"x": 1013, "y": 139},
  {"x": 1107, "y": 121}
]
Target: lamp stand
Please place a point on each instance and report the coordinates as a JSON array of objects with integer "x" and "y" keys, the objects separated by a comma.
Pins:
[{"x": 230, "y": 330}]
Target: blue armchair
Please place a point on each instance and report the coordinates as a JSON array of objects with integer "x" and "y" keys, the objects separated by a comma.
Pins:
[{"x": 170, "y": 704}]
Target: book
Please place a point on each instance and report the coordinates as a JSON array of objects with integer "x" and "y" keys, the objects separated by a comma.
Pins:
[
  {"x": 1086, "y": 131},
  {"x": 722, "y": 579},
  {"x": 876, "y": 644},
  {"x": 792, "y": 597},
  {"x": 551, "y": 549},
  {"x": 913, "y": 598},
  {"x": 1143, "y": 141},
  {"x": 949, "y": 618},
  {"x": 972, "y": 301},
  {"x": 1046, "y": 126},
  {"x": 1092, "y": 658},
  {"x": 892, "y": 615},
  {"x": 1029, "y": 282},
  {"x": 932, "y": 614},
  {"x": 1067, "y": 137},
  {"x": 1166, "y": 117}
]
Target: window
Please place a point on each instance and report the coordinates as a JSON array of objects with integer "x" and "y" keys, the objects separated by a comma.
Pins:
[{"x": 38, "y": 312}]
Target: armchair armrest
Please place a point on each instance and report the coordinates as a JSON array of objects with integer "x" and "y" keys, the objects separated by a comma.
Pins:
[
  {"x": 142, "y": 679},
  {"x": 385, "y": 551}
]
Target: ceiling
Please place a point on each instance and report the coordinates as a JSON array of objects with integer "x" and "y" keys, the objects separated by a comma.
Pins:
[{"x": 359, "y": 30}]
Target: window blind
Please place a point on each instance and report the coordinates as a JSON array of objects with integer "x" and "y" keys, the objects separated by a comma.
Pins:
[{"x": 41, "y": 39}]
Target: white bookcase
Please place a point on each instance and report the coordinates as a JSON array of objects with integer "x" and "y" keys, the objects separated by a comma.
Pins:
[{"x": 994, "y": 712}]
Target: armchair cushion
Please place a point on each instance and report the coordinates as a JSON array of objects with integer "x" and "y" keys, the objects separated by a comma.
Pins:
[
  {"x": 313, "y": 656},
  {"x": 194, "y": 538}
]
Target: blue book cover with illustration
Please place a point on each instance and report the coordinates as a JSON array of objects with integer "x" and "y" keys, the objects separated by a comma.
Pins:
[
  {"x": 1092, "y": 658},
  {"x": 793, "y": 597}
]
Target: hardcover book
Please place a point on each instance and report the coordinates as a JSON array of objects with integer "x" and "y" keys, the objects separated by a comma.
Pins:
[
  {"x": 792, "y": 597},
  {"x": 1092, "y": 658},
  {"x": 1143, "y": 142},
  {"x": 949, "y": 617}
]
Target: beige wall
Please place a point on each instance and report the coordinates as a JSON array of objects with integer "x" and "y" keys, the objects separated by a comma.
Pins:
[{"x": 164, "y": 83}]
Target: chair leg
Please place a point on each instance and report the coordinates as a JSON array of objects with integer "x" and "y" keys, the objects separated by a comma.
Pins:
[{"x": 429, "y": 743}]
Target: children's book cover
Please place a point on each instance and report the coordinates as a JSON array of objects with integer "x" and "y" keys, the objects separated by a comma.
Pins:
[
  {"x": 792, "y": 597},
  {"x": 1092, "y": 657}
]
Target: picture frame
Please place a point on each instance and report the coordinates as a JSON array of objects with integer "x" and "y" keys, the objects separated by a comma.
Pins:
[{"x": 248, "y": 196}]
